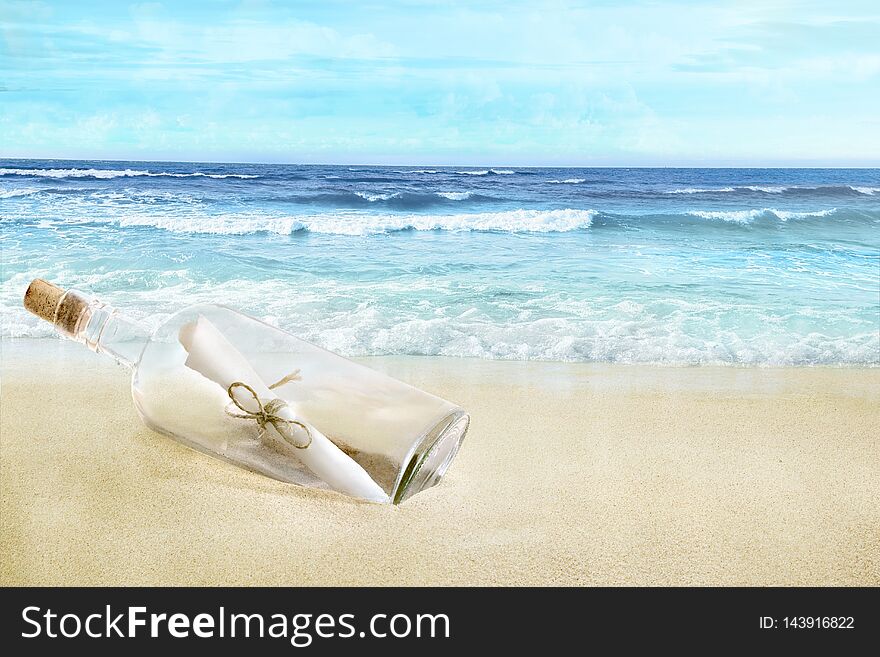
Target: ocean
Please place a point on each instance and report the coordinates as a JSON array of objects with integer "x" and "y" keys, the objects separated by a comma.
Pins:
[{"x": 668, "y": 266}]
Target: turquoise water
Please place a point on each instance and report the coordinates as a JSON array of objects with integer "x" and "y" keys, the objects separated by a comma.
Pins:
[{"x": 686, "y": 266}]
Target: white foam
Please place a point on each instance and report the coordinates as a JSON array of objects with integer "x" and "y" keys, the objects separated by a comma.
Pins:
[
  {"x": 701, "y": 190},
  {"x": 206, "y": 175},
  {"x": 625, "y": 332},
  {"x": 368, "y": 318},
  {"x": 785, "y": 215},
  {"x": 718, "y": 190},
  {"x": 772, "y": 189},
  {"x": 238, "y": 224},
  {"x": 455, "y": 196},
  {"x": 371, "y": 197},
  {"x": 766, "y": 189},
  {"x": 568, "y": 181},
  {"x": 485, "y": 172},
  {"x": 513, "y": 221},
  {"x": 747, "y": 216},
  {"x": 113, "y": 173},
  {"x": 359, "y": 224},
  {"x": 12, "y": 193}
]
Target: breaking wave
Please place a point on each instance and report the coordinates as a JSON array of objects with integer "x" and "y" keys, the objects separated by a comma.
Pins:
[
  {"x": 831, "y": 190},
  {"x": 12, "y": 193},
  {"x": 487, "y": 172},
  {"x": 114, "y": 173},
  {"x": 361, "y": 224},
  {"x": 455, "y": 196},
  {"x": 747, "y": 216}
]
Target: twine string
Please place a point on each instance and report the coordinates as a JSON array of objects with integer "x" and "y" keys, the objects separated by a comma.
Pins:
[{"x": 268, "y": 413}]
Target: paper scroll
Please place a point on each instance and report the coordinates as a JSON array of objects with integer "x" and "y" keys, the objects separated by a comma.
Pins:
[{"x": 214, "y": 357}]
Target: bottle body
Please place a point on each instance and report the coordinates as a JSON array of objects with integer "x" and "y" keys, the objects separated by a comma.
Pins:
[{"x": 403, "y": 437}]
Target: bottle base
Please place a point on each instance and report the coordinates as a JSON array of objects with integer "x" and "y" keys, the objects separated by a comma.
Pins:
[{"x": 431, "y": 457}]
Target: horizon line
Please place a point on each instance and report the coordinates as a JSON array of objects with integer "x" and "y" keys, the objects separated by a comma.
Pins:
[{"x": 473, "y": 166}]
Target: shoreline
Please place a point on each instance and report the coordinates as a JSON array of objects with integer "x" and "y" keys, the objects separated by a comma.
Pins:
[
  {"x": 24, "y": 349},
  {"x": 571, "y": 474}
]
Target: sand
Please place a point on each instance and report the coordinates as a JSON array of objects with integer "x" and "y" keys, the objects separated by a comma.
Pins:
[{"x": 572, "y": 474}]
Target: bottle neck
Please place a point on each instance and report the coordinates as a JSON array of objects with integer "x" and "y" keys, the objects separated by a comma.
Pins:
[
  {"x": 87, "y": 321},
  {"x": 106, "y": 331},
  {"x": 100, "y": 327}
]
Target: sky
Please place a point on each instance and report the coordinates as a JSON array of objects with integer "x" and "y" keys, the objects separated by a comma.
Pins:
[{"x": 604, "y": 83}]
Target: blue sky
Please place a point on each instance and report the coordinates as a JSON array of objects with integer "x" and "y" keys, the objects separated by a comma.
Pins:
[{"x": 530, "y": 83}]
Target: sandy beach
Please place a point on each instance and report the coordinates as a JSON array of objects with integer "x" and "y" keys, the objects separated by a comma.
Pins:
[{"x": 572, "y": 474}]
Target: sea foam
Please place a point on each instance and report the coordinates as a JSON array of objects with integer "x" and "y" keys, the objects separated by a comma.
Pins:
[
  {"x": 455, "y": 196},
  {"x": 701, "y": 190},
  {"x": 374, "y": 196},
  {"x": 374, "y": 322},
  {"x": 113, "y": 173},
  {"x": 767, "y": 189},
  {"x": 12, "y": 193},
  {"x": 747, "y": 216},
  {"x": 778, "y": 189},
  {"x": 361, "y": 224}
]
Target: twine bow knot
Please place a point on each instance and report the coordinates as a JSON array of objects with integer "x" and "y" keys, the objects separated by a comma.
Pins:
[{"x": 268, "y": 413}]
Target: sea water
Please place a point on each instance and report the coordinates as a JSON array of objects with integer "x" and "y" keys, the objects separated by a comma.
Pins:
[{"x": 683, "y": 266}]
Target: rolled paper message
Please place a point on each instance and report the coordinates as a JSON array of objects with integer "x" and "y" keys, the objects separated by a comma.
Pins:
[{"x": 214, "y": 357}]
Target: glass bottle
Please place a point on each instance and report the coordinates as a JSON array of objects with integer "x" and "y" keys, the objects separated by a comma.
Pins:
[{"x": 236, "y": 388}]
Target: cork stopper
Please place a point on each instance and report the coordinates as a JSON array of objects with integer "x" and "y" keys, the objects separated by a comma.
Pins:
[{"x": 63, "y": 308}]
